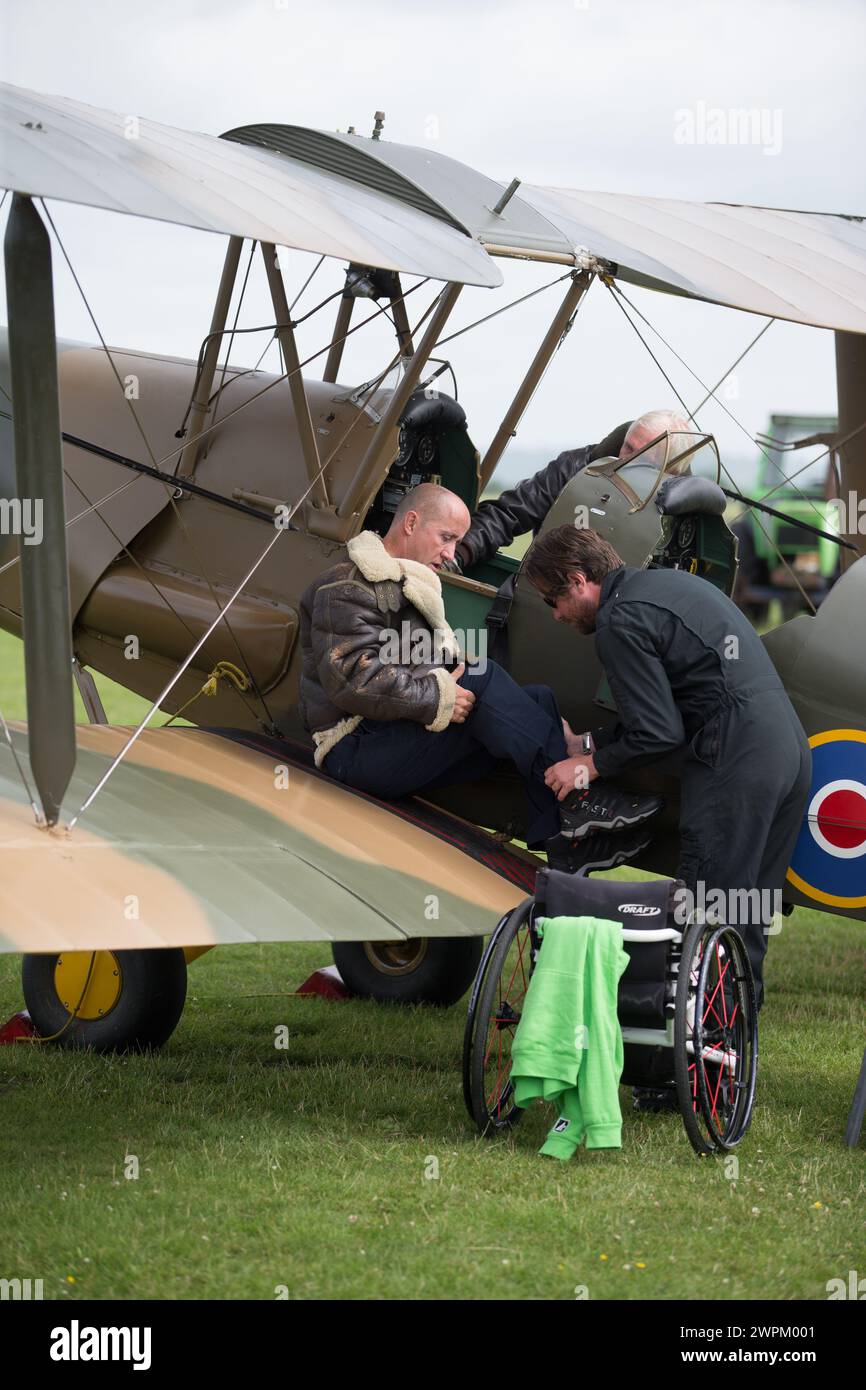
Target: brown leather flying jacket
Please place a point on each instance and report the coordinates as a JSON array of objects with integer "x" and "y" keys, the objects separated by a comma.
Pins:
[{"x": 375, "y": 645}]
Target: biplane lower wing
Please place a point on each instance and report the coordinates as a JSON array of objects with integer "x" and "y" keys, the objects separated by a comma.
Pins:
[{"x": 201, "y": 839}]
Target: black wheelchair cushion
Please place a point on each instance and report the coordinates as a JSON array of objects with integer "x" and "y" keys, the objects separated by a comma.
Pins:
[{"x": 688, "y": 493}]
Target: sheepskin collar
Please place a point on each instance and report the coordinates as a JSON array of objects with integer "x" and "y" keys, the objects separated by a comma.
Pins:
[{"x": 421, "y": 585}]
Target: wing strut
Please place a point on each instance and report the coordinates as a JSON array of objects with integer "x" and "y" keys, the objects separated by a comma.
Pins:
[
  {"x": 189, "y": 457},
  {"x": 580, "y": 282},
  {"x": 338, "y": 341},
  {"x": 39, "y": 479},
  {"x": 383, "y": 438},
  {"x": 285, "y": 335},
  {"x": 850, "y": 381}
]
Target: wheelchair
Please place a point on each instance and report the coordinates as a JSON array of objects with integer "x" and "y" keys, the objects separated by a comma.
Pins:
[{"x": 686, "y": 1005}]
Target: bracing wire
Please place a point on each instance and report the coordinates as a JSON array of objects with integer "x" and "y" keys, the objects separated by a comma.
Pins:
[
  {"x": 616, "y": 296},
  {"x": 284, "y": 375},
  {"x": 40, "y": 820},
  {"x": 171, "y": 497},
  {"x": 711, "y": 393},
  {"x": 217, "y": 394},
  {"x": 504, "y": 310},
  {"x": 315, "y": 268}
]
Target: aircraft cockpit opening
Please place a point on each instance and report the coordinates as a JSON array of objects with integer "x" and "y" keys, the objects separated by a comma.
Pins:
[{"x": 433, "y": 447}]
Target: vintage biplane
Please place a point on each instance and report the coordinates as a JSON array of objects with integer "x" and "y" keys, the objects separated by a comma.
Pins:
[{"x": 181, "y": 521}]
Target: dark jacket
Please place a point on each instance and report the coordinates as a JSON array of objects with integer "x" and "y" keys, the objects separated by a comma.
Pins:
[
  {"x": 524, "y": 508},
  {"x": 375, "y": 645},
  {"x": 676, "y": 652}
]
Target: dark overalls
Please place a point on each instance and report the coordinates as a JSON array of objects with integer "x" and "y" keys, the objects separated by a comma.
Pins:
[{"x": 688, "y": 672}]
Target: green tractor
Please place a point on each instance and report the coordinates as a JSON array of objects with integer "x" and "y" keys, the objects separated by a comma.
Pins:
[{"x": 777, "y": 559}]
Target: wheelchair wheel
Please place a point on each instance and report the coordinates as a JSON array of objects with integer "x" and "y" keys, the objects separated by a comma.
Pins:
[
  {"x": 494, "y": 1013},
  {"x": 715, "y": 1038}
]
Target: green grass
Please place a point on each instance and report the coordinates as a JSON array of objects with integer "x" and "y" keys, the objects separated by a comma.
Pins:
[
  {"x": 121, "y": 706},
  {"x": 308, "y": 1167}
]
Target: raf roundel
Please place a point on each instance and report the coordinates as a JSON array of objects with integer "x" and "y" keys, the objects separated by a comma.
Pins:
[{"x": 829, "y": 860}]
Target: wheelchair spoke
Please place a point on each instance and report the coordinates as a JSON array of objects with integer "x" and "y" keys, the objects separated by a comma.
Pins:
[
  {"x": 714, "y": 1094},
  {"x": 519, "y": 965},
  {"x": 496, "y": 1094},
  {"x": 711, "y": 1001}
]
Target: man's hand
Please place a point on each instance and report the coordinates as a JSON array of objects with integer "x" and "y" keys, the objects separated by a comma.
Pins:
[
  {"x": 572, "y": 774},
  {"x": 463, "y": 699}
]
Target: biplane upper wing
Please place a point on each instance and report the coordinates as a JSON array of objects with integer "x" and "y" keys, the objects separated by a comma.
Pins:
[
  {"x": 402, "y": 207},
  {"x": 56, "y": 148},
  {"x": 809, "y": 267},
  {"x": 198, "y": 839}
]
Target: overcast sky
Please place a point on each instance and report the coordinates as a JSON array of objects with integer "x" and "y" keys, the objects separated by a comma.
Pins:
[{"x": 580, "y": 93}]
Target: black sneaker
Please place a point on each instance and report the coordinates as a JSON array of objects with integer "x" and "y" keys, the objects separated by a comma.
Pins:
[
  {"x": 595, "y": 852},
  {"x": 605, "y": 807},
  {"x": 653, "y": 1099}
]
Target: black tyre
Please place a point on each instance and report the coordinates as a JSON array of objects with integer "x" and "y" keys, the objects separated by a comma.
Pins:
[
  {"x": 494, "y": 1013},
  {"x": 715, "y": 1038},
  {"x": 423, "y": 970},
  {"x": 111, "y": 1001}
]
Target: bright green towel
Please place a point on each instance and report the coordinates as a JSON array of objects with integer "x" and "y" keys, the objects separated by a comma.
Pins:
[{"x": 568, "y": 1044}]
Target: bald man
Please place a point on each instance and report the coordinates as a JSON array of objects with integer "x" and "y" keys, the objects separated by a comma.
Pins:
[{"x": 388, "y": 700}]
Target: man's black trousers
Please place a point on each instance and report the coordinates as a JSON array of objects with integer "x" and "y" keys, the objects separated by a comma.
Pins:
[{"x": 393, "y": 758}]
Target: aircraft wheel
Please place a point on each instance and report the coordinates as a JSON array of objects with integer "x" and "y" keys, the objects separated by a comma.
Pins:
[
  {"x": 424, "y": 970},
  {"x": 111, "y": 1001}
]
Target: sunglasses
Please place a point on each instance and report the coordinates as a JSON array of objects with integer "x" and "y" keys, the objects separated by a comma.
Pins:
[{"x": 554, "y": 595}]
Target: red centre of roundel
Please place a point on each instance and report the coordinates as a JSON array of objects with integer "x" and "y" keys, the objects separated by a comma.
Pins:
[{"x": 842, "y": 818}]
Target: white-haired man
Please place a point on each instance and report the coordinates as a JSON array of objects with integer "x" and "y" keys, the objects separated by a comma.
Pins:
[
  {"x": 669, "y": 434},
  {"x": 524, "y": 508}
]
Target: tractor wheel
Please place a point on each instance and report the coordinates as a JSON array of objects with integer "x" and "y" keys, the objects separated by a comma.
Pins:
[
  {"x": 424, "y": 970},
  {"x": 111, "y": 1001}
]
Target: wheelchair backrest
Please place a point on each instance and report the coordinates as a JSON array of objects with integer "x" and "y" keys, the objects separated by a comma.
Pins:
[
  {"x": 648, "y": 904},
  {"x": 639, "y": 906}
]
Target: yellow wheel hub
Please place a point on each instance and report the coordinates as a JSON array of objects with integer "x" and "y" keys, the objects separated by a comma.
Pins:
[
  {"x": 396, "y": 957},
  {"x": 103, "y": 989}
]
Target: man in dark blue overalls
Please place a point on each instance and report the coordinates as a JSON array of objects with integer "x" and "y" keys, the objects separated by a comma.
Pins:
[{"x": 688, "y": 673}]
